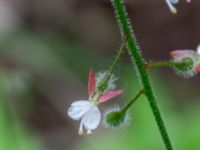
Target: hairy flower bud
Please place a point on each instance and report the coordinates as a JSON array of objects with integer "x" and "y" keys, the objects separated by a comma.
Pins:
[
  {"x": 104, "y": 84},
  {"x": 116, "y": 118},
  {"x": 187, "y": 62}
]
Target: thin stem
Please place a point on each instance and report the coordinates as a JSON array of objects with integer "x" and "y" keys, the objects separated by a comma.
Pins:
[
  {"x": 103, "y": 84},
  {"x": 140, "y": 66},
  {"x": 127, "y": 106},
  {"x": 117, "y": 57},
  {"x": 161, "y": 64},
  {"x": 167, "y": 64}
]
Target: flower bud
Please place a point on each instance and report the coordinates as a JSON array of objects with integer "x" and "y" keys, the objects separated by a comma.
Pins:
[
  {"x": 116, "y": 118},
  {"x": 104, "y": 84},
  {"x": 186, "y": 62}
]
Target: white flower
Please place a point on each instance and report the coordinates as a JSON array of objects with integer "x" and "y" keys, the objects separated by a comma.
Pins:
[
  {"x": 88, "y": 114},
  {"x": 86, "y": 110},
  {"x": 198, "y": 49},
  {"x": 171, "y": 4}
]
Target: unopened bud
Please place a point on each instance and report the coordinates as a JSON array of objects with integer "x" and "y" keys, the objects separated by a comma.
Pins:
[
  {"x": 186, "y": 62},
  {"x": 105, "y": 84},
  {"x": 116, "y": 118}
]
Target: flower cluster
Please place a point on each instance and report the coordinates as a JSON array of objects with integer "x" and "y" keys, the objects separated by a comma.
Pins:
[
  {"x": 101, "y": 88},
  {"x": 171, "y": 4},
  {"x": 87, "y": 111},
  {"x": 188, "y": 62}
]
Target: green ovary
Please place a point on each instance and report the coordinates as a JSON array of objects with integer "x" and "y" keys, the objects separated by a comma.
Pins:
[
  {"x": 115, "y": 118},
  {"x": 185, "y": 64}
]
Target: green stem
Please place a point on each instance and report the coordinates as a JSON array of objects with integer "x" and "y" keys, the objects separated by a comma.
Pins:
[
  {"x": 167, "y": 64},
  {"x": 117, "y": 57},
  {"x": 103, "y": 84},
  {"x": 127, "y": 106},
  {"x": 140, "y": 64}
]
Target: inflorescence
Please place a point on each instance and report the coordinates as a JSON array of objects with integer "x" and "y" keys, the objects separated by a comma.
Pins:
[{"x": 102, "y": 87}]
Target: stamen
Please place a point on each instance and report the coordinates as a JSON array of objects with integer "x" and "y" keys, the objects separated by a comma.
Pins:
[{"x": 80, "y": 132}]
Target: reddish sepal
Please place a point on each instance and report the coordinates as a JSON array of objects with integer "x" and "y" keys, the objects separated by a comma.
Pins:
[
  {"x": 91, "y": 83},
  {"x": 182, "y": 53},
  {"x": 197, "y": 68},
  {"x": 109, "y": 95}
]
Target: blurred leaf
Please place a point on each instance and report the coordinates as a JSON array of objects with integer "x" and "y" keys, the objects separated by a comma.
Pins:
[{"x": 13, "y": 134}]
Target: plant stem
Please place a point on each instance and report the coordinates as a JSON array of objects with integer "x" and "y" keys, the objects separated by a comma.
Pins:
[
  {"x": 103, "y": 84},
  {"x": 127, "y": 106},
  {"x": 140, "y": 66},
  {"x": 167, "y": 64},
  {"x": 117, "y": 57},
  {"x": 161, "y": 64}
]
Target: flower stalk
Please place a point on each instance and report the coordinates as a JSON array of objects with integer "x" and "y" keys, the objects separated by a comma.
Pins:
[
  {"x": 129, "y": 104},
  {"x": 183, "y": 64},
  {"x": 137, "y": 59},
  {"x": 103, "y": 84},
  {"x": 117, "y": 117}
]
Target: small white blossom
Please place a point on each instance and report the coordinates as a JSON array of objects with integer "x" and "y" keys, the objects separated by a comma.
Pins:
[
  {"x": 198, "y": 49},
  {"x": 86, "y": 110},
  {"x": 171, "y": 4},
  {"x": 88, "y": 114}
]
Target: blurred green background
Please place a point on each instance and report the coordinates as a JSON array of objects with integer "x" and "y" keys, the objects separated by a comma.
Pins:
[{"x": 46, "y": 51}]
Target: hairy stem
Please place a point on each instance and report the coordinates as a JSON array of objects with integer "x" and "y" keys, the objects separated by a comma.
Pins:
[
  {"x": 103, "y": 84},
  {"x": 167, "y": 64},
  {"x": 127, "y": 106},
  {"x": 140, "y": 66},
  {"x": 117, "y": 57}
]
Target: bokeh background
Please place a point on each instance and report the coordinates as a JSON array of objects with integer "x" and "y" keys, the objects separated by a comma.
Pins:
[{"x": 46, "y": 51}]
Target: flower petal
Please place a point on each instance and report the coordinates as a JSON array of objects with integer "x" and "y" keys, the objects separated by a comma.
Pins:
[
  {"x": 197, "y": 68},
  {"x": 182, "y": 53},
  {"x": 171, "y": 7},
  {"x": 198, "y": 49},
  {"x": 110, "y": 95},
  {"x": 174, "y": 1},
  {"x": 92, "y": 118},
  {"x": 80, "y": 131},
  {"x": 78, "y": 109},
  {"x": 91, "y": 83}
]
